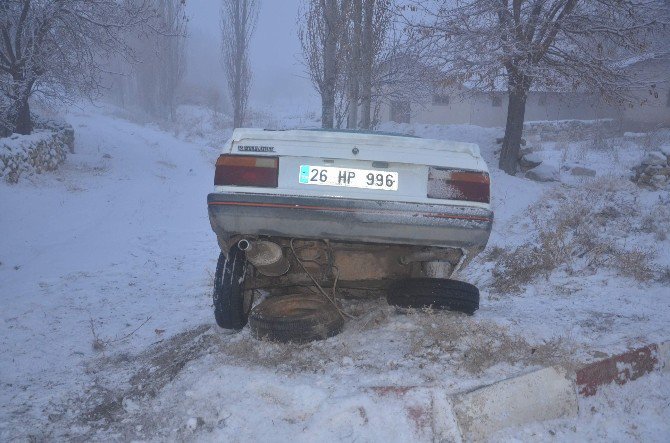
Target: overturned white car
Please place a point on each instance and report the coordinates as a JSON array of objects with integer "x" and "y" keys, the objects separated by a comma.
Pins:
[{"x": 361, "y": 212}]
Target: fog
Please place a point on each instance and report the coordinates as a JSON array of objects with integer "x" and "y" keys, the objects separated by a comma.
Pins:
[
  {"x": 278, "y": 75},
  {"x": 506, "y": 160}
]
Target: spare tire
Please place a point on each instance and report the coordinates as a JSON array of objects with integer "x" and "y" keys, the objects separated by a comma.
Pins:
[
  {"x": 295, "y": 318},
  {"x": 438, "y": 293}
]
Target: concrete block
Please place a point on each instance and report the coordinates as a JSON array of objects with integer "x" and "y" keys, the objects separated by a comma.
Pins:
[
  {"x": 444, "y": 426},
  {"x": 541, "y": 395},
  {"x": 544, "y": 173},
  {"x": 664, "y": 356}
]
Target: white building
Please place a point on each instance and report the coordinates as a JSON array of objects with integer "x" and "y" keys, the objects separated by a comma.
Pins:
[{"x": 452, "y": 106}]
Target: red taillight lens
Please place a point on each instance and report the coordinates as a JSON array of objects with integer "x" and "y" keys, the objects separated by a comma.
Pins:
[
  {"x": 246, "y": 170},
  {"x": 456, "y": 184}
]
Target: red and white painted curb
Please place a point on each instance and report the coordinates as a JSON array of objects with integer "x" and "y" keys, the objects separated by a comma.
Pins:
[
  {"x": 622, "y": 368},
  {"x": 546, "y": 394}
]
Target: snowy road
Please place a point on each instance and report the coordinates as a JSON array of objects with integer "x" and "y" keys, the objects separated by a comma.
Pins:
[
  {"x": 118, "y": 239},
  {"x": 118, "y": 235}
]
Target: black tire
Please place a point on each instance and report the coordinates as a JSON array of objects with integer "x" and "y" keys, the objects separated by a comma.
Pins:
[
  {"x": 230, "y": 311},
  {"x": 438, "y": 293},
  {"x": 295, "y": 318}
]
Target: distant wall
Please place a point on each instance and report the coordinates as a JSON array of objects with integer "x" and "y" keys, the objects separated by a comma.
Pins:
[
  {"x": 651, "y": 107},
  {"x": 490, "y": 110}
]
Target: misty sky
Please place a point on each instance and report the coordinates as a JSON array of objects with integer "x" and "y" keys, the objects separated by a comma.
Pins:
[{"x": 275, "y": 51}]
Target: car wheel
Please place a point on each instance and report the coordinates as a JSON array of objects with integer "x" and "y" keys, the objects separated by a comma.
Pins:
[
  {"x": 295, "y": 318},
  {"x": 438, "y": 293},
  {"x": 231, "y": 301}
]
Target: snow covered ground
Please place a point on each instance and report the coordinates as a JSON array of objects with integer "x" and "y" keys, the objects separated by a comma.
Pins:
[{"x": 106, "y": 326}]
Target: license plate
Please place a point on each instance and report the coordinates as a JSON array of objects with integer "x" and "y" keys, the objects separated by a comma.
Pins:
[{"x": 348, "y": 177}]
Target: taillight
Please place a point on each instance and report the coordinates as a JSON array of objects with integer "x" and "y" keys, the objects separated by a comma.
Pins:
[
  {"x": 457, "y": 184},
  {"x": 246, "y": 170}
]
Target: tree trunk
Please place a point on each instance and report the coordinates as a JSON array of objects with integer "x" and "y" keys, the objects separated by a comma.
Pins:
[
  {"x": 367, "y": 65},
  {"x": 366, "y": 105},
  {"x": 238, "y": 118},
  {"x": 330, "y": 65},
  {"x": 239, "y": 53},
  {"x": 328, "y": 110},
  {"x": 516, "y": 110},
  {"x": 24, "y": 123},
  {"x": 355, "y": 66},
  {"x": 352, "y": 117}
]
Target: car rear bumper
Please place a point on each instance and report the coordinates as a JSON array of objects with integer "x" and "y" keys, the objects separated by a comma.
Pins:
[{"x": 350, "y": 220}]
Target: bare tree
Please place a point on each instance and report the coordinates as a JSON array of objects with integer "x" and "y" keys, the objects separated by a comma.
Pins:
[
  {"x": 56, "y": 48},
  {"x": 171, "y": 53},
  {"x": 375, "y": 44},
  {"x": 238, "y": 22},
  {"x": 324, "y": 38},
  {"x": 562, "y": 44},
  {"x": 379, "y": 67},
  {"x": 355, "y": 65},
  {"x": 152, "y": 80},
  {"x": 344, "y": 43},
  {"x": 366, "y": 37},
  {"x": 162, "y": 63},
  {"x": 402, "y": 76}
]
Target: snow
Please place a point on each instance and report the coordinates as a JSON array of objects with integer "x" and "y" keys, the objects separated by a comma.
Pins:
[
  {"x": 116, "y": 248},
  {"x": 100, "y": 242}
]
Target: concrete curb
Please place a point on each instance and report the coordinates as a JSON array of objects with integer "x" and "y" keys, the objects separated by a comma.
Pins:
[
  {"x": 541, "y": 395},
  {"x": 546, "y": 394},
  {"x": 618, "y": 369},
  {"x": 664, "y": 356}
]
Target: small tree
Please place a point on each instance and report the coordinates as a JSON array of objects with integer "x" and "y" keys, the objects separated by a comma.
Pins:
[
  {"x": 161, "y": 62},
  {"x": 402, "y": 76},
  {"x": 355, "y": 63},
  {"x": 367, "y": 42},
  {"x": 238, "y": 22},
  {"x": 563, "y": 44},
  {"x": 171, "y": 60},
  {"x": 324, "y": 38},
  {"x": 57, "y": 48},
  {"x": 376, "y": 45}
]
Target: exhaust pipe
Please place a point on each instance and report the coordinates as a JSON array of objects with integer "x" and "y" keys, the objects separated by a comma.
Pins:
[{"x": 266, "y": 256}]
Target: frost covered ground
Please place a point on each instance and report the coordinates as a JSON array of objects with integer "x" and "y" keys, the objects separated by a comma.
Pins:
[{"x": 106, "y": 326}]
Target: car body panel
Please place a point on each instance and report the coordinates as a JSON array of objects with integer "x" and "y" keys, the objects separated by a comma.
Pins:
[
  {"x": 349, "y": 220},
  {"x": 404, "y": 217},
  {"x": 409, "y": 156}
]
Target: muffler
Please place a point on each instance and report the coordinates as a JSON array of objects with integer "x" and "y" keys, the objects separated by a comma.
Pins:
[{"x": 266, "y": 256}]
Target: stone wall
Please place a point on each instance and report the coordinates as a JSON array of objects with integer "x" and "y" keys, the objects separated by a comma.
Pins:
[
  {"x": 654, "y": 172},
  {"x": 43, "y": 150}
]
